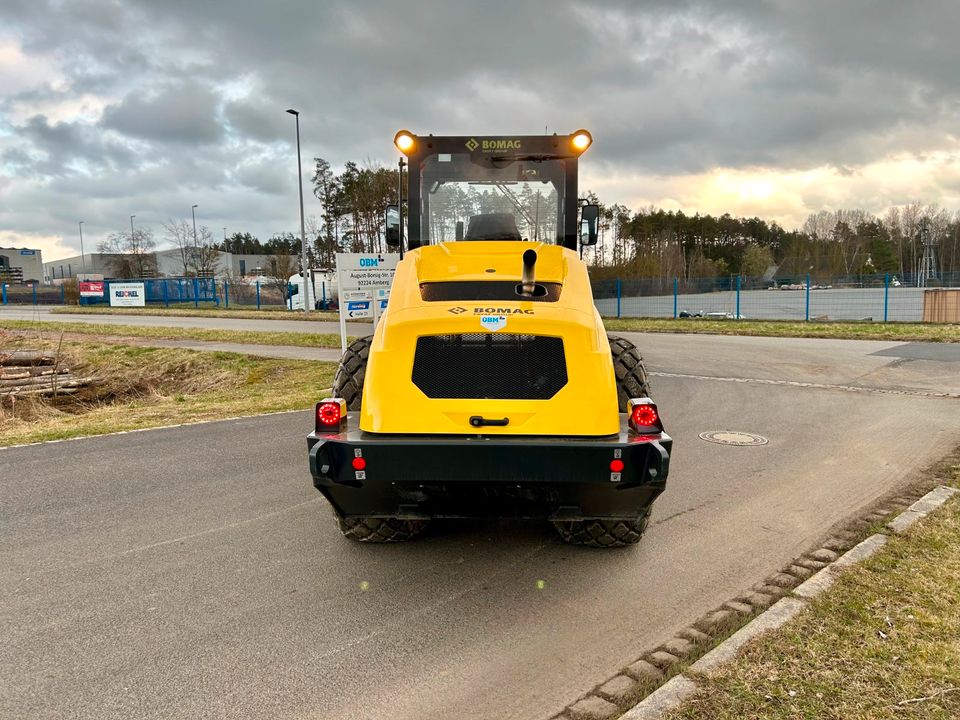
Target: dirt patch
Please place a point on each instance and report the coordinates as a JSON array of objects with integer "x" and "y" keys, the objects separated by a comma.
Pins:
[{"x": 120, "y": 374}]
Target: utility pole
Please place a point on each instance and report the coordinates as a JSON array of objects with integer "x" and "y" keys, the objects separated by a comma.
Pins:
[
  {"x": 303, "y": 232},
  {"x": 83, "y": 260},
  {"x": 131, "y": 229}
]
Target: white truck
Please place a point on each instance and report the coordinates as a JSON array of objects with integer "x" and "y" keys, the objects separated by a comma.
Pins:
[{"x": 321, "y": 290}]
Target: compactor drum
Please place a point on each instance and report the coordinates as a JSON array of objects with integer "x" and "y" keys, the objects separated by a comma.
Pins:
[{"x": 490, "y": 387}]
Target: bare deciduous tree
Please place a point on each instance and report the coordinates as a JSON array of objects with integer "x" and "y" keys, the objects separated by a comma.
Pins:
[{"x": 130, "y": 254}]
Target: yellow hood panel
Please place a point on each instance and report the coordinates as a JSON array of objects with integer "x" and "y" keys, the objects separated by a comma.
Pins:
[{"x": 585, "y": 406}]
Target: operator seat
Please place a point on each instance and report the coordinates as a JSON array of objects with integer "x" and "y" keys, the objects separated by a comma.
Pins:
[{"x": 492, "y": 226}]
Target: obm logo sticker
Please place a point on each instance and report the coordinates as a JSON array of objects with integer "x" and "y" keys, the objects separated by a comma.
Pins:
[{"x": 493, "y": 322}]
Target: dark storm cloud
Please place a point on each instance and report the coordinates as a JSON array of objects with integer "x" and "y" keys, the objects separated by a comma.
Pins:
[
  {"x": 193, "y": 94},
  {"x": 63, "y": 148},
  {"x": 185, "y": 113}
]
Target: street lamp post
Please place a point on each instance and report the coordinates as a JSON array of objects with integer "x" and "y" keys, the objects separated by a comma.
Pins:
[
  {"x": 303, "y": 232},
  {"x": 83, "y": 260},
  {"x": 131, "y": 228},
  {"x": 193, "y": 211}
]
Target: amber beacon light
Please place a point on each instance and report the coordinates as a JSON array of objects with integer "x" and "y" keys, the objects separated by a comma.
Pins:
[
  {"x": 581, "y": 140},
  {"x": 404, "y": 141}
]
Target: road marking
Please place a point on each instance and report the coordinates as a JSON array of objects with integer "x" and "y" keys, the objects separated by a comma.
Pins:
[
  {"x": 208, "y": 531},
  {"x": 160, "y": 427},
  {"x": 815, "y": 386}
]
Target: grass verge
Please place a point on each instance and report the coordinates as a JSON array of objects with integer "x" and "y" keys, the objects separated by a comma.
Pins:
[
  {"x": 277, "y": 313},
  {"x": 255, "y": 337},
  {"x": 905, "y": 332},
  {"x": 884, "y": 642},
  {"x": 140, "y": 387}
]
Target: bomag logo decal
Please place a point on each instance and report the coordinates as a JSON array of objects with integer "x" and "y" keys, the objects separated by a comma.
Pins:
[
  {"x": 501, "y": 311},
  {"x": 492, "y": 145}
]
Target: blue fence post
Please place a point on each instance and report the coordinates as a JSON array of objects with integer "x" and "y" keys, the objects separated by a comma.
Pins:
[
  {"x": 676, "y": 293},
  {"x": 226, "y": 294},
  {"x": 290, "y": 297},
  {"x": 34, "y": 293},
  {"x": 806, "y": 315},
  {"x": 886, "y": 295},
  {"x": 323, "y": 289},
  {"x": 63, "y": 294},
  {"x": 166, "y": 294},
  {"x": 618, "y": 298},
  {"x": 3, "y": 290},
  {"x": 196, "y": 292},
  {"x": 738, "y": 297},
  {"x": 258, "y": 294}
]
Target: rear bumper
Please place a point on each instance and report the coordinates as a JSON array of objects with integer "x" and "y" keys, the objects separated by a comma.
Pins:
[{"x": 424, "y": 476}]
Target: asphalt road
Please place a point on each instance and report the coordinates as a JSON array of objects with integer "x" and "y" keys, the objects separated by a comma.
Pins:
[
  {"x": 43, "y": 314},
  {"x": 194, "y": 572}
]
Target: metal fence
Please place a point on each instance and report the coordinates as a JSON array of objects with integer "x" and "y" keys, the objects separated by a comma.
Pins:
[
  {"x": 166, "y": 292},
  {"x": 882, "y": 297}
]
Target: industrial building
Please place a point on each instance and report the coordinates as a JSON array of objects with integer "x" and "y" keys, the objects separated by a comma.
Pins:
[
  {"x": 20, "y": 266},
  {"x": 169, "y": 263}
]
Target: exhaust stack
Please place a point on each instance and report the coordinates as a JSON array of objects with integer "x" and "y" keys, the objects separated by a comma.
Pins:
[{"x": 528, "y": 284}]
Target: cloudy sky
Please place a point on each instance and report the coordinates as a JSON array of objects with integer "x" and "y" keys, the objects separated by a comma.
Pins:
[{"x": 116, "y": 107}]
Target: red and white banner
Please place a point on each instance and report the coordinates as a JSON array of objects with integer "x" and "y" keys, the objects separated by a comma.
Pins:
[{"x": 91, "y": 289}]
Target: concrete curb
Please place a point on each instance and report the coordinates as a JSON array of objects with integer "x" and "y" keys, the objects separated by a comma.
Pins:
[
  {"x": 826, "y": 577},
  {"x": 681, "y": 687},
  {"x": 771, "y": 619},
  {"x": 921, "y": 508},
  {"x": 666, "y": 697}
]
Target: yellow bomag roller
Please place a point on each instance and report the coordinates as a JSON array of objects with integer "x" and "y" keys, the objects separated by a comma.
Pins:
[{"x": 490, "y": 387}]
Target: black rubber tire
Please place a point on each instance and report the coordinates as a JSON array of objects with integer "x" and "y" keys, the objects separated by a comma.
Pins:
[
  {"x": 380, "y": 530},
  {"x": 632, "y": 381},
  {"x": 353, "y": 367},
  {"x": 601, "y": 533}
]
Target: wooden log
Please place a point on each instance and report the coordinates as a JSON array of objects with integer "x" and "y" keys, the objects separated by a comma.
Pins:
[
  {"x": 17, "y": 387},
  {"x": 25, "y": 372},
  {"x": 48, "y": 380},
  {"x": 26, "y": 357},
  {"x": 41, "y": 391}
]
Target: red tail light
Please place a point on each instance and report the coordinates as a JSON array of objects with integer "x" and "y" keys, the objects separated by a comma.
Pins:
[
  {"x": 331, "y": 415},
  {"x": 644, "y": 417}
]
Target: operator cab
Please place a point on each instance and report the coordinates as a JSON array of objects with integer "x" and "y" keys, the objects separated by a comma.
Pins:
[{"x": 518, "y": 188}]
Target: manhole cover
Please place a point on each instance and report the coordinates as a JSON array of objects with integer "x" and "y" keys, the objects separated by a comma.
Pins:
[{"x": 732, "y": 437}]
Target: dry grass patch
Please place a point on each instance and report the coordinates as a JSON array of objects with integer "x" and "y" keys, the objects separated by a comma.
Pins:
[
  {"x": 324, "y": 340},
  {"x": 884, "y": 642},
  {"x": 905, "y": 332},
  {"x": 139, "y": 387},
  {"x": 276, "y": 313}
]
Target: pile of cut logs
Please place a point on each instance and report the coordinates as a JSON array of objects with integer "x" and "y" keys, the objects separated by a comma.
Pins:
[{"x": 33, "y": 372}]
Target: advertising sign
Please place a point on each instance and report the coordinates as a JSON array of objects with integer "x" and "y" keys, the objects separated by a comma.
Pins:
[
  {"x": 364, "y": 281},
  {"x": 127, "y": 295},
  {"x": 91, "y": 289},
  {"x": 359, "y": 309}
]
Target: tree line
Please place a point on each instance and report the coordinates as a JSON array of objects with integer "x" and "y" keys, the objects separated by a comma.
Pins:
[
  {"x": 647, "y": 243},
  {"x": 657, "y": 243}
]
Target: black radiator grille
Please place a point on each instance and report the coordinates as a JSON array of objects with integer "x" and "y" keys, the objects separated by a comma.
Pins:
[{"x": 489, "y": 365}]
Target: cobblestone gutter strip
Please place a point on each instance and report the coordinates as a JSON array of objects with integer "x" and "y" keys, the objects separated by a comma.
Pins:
[{"x": 640, "y": 690}]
